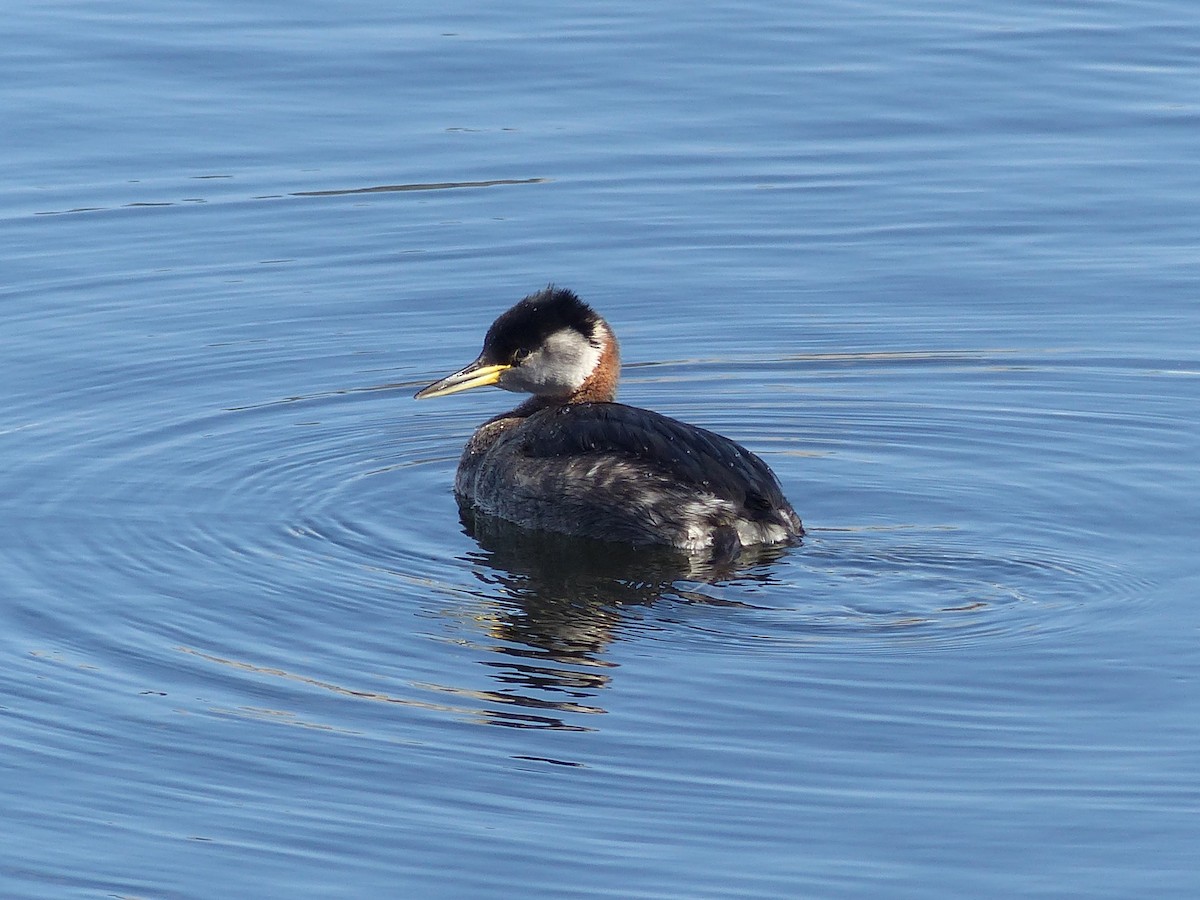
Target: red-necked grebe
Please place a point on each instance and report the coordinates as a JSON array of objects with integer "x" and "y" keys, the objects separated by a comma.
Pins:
[{"x": 571, "y": 460}]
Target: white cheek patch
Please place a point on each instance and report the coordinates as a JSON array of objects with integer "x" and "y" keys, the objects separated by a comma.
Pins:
[{"x": 563, "y": 362}]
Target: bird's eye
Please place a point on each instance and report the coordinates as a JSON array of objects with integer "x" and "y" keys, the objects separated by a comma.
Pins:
[{"x": 519, "y": 356}]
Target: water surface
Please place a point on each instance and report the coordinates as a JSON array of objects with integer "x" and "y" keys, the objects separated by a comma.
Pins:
[{"x": 937, "y": 265}]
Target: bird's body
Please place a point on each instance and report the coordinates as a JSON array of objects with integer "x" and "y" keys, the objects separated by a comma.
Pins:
[{"x": 573, "y": 461}]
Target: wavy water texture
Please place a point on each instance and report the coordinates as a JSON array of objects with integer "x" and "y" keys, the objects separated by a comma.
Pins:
[
  {"x": 334, "y": 511},
  {"x": 938, "y": 266}
]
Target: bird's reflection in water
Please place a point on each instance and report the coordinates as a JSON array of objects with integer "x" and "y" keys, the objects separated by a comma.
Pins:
[{"x": 563, "y": 600}]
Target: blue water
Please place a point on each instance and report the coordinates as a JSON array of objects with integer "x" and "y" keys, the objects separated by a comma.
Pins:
[{"x": 938, "y": 264}]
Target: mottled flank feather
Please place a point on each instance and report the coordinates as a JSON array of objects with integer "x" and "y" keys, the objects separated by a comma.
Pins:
[{"x": 682, "y": 453}]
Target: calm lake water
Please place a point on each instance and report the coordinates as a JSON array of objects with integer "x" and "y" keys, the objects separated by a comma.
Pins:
[{"x": 938, "y": 263}]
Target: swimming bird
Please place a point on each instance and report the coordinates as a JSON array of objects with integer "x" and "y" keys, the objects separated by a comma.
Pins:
[{"x": 572, "y": 460}]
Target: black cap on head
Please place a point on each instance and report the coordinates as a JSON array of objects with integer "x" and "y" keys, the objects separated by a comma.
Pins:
[{"x": 527, "y": 324}]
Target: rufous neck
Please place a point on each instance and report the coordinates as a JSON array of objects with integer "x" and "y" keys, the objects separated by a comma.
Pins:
[{"x": 601, "y": 385}]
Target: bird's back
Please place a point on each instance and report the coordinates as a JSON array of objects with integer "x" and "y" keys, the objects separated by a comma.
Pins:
[{"x": 614, "y": 471}]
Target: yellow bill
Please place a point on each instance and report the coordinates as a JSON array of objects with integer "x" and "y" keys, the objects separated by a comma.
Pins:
[{"x": 473, "y": 376}]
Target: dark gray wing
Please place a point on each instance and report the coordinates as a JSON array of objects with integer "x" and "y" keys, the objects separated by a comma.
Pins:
[{"x": 681, "y": 452}]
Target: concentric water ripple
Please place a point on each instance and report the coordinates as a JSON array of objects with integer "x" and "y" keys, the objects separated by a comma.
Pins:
[
  {"x": 899, "y": 591},
  {"x": 333, "y": 514}
]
